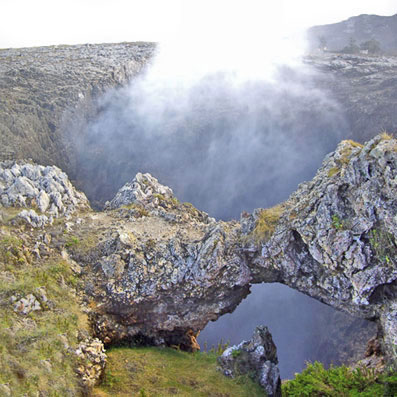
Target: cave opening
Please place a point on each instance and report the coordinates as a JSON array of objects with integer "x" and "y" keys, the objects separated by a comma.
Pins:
[{"x": 303, "y": 329}]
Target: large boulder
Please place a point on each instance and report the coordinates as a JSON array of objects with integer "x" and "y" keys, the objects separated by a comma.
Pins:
[
  {"x": 161, "y": 269},
  {"x": 256, "y": 358}
]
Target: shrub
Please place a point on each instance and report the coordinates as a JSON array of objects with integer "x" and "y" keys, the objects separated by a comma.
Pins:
[{"x": 315, "y": 381}]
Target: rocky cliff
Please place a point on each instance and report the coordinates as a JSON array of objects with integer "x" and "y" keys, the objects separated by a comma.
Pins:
[
  {"x": 364, "y": 86},
  {"x": 47, "y": 92},
  {"x": 47, "y": 95},
  {"x": 150, "y": 269},
  {"x": 164, "y": 269}
]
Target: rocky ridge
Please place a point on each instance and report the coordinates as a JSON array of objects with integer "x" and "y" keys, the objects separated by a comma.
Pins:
[
  {"x": 175, "y": 263},
  {"x": 46, "y": 190},
  {"x": 334, "y": 241},
  {"x": 360, "y": 28},
  {"x": 336, "y": 237}
]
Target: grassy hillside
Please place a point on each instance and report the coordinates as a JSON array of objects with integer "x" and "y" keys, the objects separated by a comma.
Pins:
[{"x": 35, "y": 346}]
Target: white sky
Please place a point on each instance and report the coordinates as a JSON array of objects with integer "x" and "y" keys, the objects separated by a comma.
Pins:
[{"x": 25, "y": 23}]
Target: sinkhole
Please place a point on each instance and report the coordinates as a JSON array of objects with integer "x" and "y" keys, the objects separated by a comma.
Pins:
[{"x": 227, "y": 148}]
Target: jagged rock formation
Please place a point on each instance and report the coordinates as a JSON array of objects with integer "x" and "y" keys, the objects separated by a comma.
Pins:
[
  {"x": 258, "y": 358},
  {"x": 45, "y": 189},
  {"x": 92, "y": 357},
  {"x": 162, "y": 271},
  {"x": 360, "y": 28},
  {"x": 143, "y": 190},
  {"x": 336, "y": 237},
  {"x": 46, "y": 94}
]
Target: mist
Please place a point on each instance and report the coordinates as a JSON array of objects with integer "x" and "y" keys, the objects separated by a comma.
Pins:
[
  {"x": 231, "y": 120},
  {"x": 223, "y": 145}
]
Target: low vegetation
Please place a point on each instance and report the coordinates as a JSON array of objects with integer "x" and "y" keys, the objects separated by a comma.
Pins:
[
  {"x": 383, "y": 245},
  {"x": 345, "y": 156},
  {"x": 137, "y": 210},
  {"x": 316, "y": 381},
  {"x": 34, "y": 347},
  {"x": 149, "y": 371}
]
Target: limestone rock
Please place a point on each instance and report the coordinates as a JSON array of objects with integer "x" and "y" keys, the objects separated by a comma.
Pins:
[
  {"x": 258, "y": 358},
  {"x": 144, "y": 190},
  {"x": 34, "y": 219},
  {"x": 27, "y": 305},
  {"x": 160, "y": 277},
  {"x": 92, "y": 358},
  {"x": 46, "y": 188},
  {"x": 336, "y": 239}
]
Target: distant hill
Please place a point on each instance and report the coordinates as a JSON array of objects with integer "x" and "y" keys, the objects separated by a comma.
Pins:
[{"x": 357, "y": 30}]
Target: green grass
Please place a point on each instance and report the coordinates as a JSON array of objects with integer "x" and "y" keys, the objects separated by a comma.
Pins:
[
  {"x": 337, "y": 223},
  {"x": 72, "y": 242},
  {"x": 33, "y": 355},
  {"x": 315, "y": 381},
  {"x": 150, "y": 371},
  {"x": 267, "y": 222}
]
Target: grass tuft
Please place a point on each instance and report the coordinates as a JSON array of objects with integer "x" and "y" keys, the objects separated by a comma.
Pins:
[
  {"x": 267, "y": 222},
  {"x": 33, "y": 356},
  {"x": 385, "y": 136}
]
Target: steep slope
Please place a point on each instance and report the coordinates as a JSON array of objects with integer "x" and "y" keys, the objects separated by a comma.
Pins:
[
  {"x": 45, "y": 342},
  {"x": 47, "y": 92}
]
